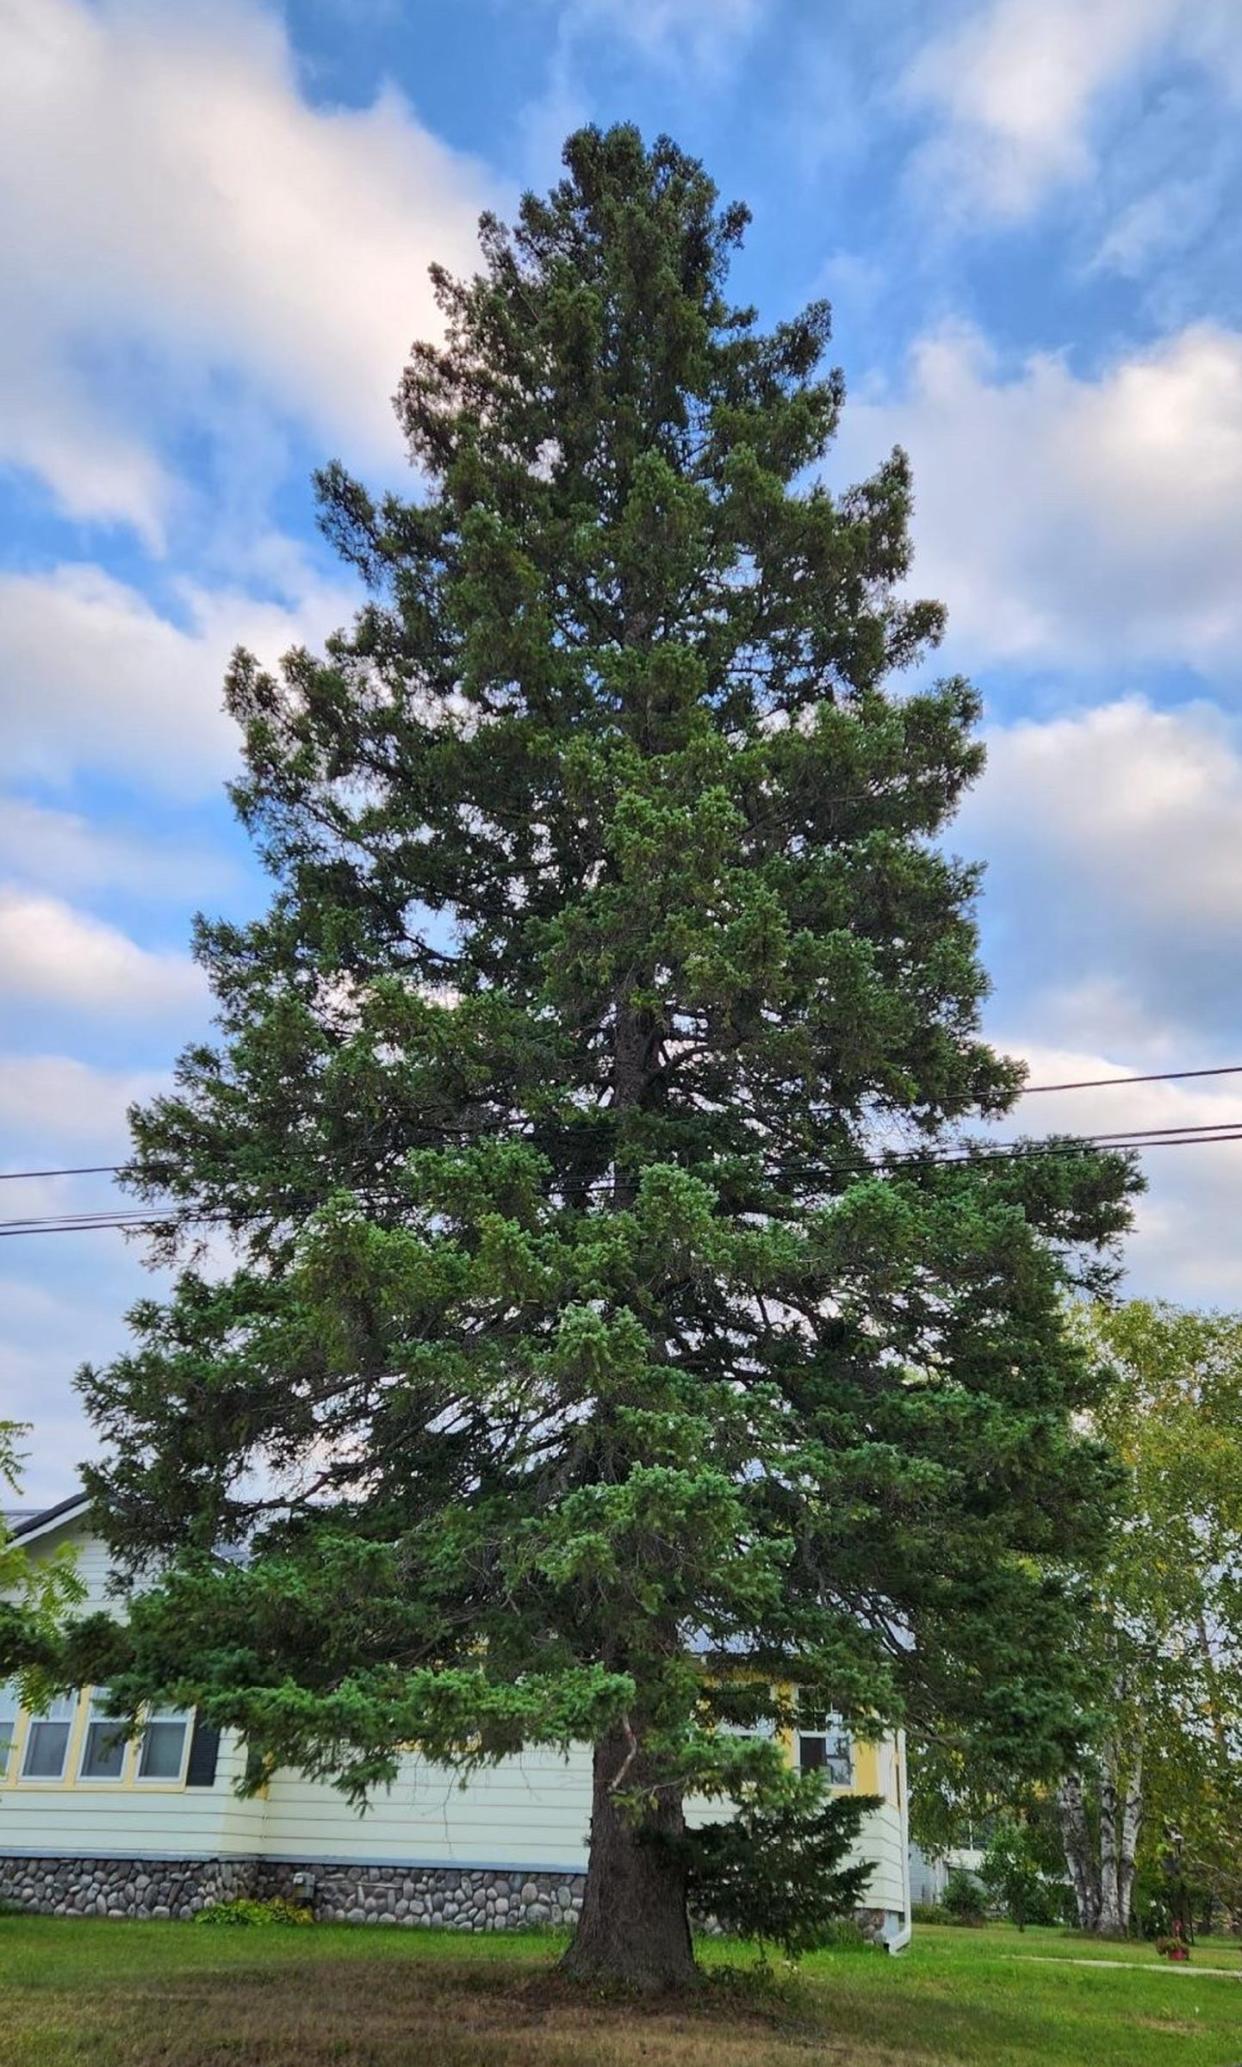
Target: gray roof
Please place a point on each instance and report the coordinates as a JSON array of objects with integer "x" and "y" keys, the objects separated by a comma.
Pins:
[{"x": 28, "y": 1521}]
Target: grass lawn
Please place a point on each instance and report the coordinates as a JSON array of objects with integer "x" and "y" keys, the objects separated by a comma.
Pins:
[{"x": 99, "y": 1994}]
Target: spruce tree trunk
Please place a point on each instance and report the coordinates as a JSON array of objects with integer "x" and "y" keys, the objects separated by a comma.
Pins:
[{"x": 634, "y": 1928}]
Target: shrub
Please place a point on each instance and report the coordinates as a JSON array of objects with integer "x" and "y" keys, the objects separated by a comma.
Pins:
[
  {"x": 244, "y": 1914},
  {"x": 774, "y": 1873},
  {"x": 929, "y": 1912},
  {"x": 846, "y": 1934},
  {"x": 962, "y": 1899},
  {"x": 1013, "y": 1873}
]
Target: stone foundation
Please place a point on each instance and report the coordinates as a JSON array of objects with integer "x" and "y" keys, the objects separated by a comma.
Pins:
[
  {"x": 438, "y": 1897},
  {"x": 141, "y": 1888},
  {"x": 451, "y": 1897},
  {"x": 447, "y": 1897}
]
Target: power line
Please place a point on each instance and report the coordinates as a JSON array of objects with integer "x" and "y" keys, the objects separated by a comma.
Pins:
[
  {"x": 141, "y": 1219},
  {"x": 1165, "y": 1076},
  {"x": 81, "y": 1170},
  {"x": 1162, "y": 1076}
]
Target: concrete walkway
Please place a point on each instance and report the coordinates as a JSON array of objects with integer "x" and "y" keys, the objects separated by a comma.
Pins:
[{"x": 1130, "y": 1966}]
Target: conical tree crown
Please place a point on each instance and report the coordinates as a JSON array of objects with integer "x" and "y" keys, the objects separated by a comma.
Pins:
[{"x": 584, "y": 1324}]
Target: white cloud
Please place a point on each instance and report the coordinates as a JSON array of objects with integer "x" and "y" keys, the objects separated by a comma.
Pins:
[
  {"x": 62, "y": 850},
  {"x": 1015, "y": 86},
  {"x": 1141, "y": 808},
  {"x": 45, "y": 1336},
  {"x": 171, "y": 199},
  {"x": 53, "y": 954},
  {"x": 91, "y": 676},
  {"x": 1184, "y": 1246},
  {"x": 1113, "y": 897},
  {"x": 703, "y": 30},
  {"x": 1157, "y": 225},
  {"x": 1075, "y": 519},
  {"x": 1112, "y": 910},
  {"x": 59, "y": 1101}
]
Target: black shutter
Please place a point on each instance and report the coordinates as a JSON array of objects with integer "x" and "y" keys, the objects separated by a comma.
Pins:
[
  {"x": 204, "y": 1751},
  {"x": 812, "y": 1754}
]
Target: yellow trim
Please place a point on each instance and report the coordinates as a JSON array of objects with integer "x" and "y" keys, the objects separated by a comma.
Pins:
[
  {"x": 866, "y": 1769},
  {"x": 70, "y": 1779},
  {"x": 19, "y": 1779},
  {"x": 17, "y": 1750}
]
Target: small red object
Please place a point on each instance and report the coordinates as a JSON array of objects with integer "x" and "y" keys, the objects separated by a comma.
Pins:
[{"x": 1175, "y": 1947}]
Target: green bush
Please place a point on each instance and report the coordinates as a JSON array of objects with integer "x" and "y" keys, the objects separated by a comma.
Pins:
[
  {"x": 929, "y": 1912},
  {"x": 1016, "y": 1878},
  {"x": 247, "y": 1915},
  {"x": 775, "y": 1873},
  {"x": 846, "y": 1934},
  {"x": 963, "y": 1900}
]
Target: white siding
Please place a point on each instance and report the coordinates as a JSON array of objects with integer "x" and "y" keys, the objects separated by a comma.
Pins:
[
  {"x": 880, "y": 1839},
  {"x": 528, "y": 1811}
]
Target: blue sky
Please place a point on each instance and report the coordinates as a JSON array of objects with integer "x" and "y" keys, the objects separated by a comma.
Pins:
[{"x": 215, "y": 222}]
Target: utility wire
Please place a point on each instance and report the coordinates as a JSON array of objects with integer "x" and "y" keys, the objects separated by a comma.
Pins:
[
  {"x": 1164, "y": 1076},
  {"x": 1161, "y": 1076},
  {"x": 138, "y": 1219}
]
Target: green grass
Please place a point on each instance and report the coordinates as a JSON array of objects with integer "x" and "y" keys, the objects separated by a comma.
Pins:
[{"x": 99, "y": 1994}]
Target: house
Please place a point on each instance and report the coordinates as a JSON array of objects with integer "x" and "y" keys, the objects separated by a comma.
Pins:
[
  {"x": 929, "y": 1872},
  {"x": 154, "y": 1826}
]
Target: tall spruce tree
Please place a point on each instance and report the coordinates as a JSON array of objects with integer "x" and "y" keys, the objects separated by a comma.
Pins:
[{"x": 590, "y": 1372}]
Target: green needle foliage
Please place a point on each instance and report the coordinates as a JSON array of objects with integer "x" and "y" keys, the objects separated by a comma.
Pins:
[
  {"x": 581, "y": 1376},
  {"x": 777, "y": 1871}
]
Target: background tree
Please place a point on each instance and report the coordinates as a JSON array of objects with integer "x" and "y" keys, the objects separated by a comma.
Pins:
[
  {"x": 35, "y": 1594},
  {"x": 1166, "y": 1629},
  {"x": 592, "y": 1368},
  {"x": 1016, "y": 1871}
]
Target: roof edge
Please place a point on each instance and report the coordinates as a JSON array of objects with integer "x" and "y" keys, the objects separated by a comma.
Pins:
[{"x": 50, "y": 1517}]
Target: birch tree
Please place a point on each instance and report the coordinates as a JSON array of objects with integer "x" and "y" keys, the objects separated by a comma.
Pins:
[{"x": 1166, "y": 1626}]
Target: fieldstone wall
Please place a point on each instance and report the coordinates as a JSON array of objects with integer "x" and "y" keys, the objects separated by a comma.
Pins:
[
  {"x": 436, "y": 1897},
  {"x": 450, "y": 1897},
  {"x": 447, "y": 1897},
  {"x": 140, "y": 1888}
]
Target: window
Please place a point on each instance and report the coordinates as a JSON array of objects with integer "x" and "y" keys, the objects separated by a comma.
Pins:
[
  {"x": 47, "y": 1740},
  {"x": 162, "y": 1753},
  {"x": 824, "y": 1747},
  {"x": 103, "y": 1749},
  {"x": 10, "y": 1703},
  {"x": 200, "y": 1767}
]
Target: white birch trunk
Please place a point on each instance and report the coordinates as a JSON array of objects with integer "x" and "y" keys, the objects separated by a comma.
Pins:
[
  {"x": 1109, "y": 1924},
  {"x": 1079, "y": 1853},
  {"x": 1131, "y": 1824}
]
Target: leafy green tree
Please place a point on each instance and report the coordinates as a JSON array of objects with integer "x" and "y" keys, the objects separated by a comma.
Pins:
[
  {"x": 591, "y": 1369},
  {"x": 36, "y": 1595},
  {"x": 1165, "y": 1631},
  {"x": 1014, "y": 1875},
  {"x": 963, "y": 1898}
]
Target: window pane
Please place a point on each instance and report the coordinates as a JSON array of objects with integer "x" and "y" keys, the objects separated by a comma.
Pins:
[
  {"x": 46, "y": 1746},
  {"x": 162, "y": 1743},
  {"x": 831, "y": 1755},
  {"x": 103, "y": 1754},
  {"x": 9, "y": 1706},
  {"x": 840, "y": 1762}
]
